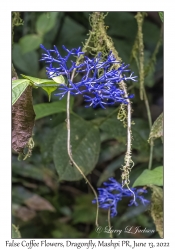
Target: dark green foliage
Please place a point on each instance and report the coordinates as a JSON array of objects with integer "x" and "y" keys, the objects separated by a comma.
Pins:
[
  {"x": 47, "y": 179},
  {"x": 85, "y": 143},
  {"x": 149, "y": 177}
]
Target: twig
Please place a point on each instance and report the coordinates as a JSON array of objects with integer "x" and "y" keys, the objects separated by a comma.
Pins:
[
  {"x": 69, "y": 143},
  {"x": 140, "y": 18},
  {"x": 70, "y": 152},
  {"x": 109, "y": 222},
  {"x": 143, "y": 96},
  {"x": 150, "y": 126}
]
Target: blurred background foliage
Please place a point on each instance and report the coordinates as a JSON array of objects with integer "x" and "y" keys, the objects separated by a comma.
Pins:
[{"x": 48, "y": 205}]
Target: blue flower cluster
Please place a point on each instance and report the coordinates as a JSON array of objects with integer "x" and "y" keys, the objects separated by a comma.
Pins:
[
  {"x": 113, "y": 192},
  {"x": 98, "y": 81}
]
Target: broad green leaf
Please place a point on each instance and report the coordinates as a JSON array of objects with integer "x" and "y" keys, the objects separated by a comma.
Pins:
[
  {"x": 41, "y": 82},
  {"x": 157, "y": 128},
  {"x": 50, "y": 36},
  {"x": 15, "y": 232},
  {"x": 48, "y": 139},
  {"x": 150, "y": 177},
  {"x": 46, "y": 22},
  {"x": 18, "y": 87},
  {"x": 45, "y": 109},
  {"x": 161, "y": 14},
  {"x": 115, "y": 129},
  {"x": 38, "y": 81},
  {"x": 27, "y": 63},
  {"x": 30, "y": 42},
  {"x": 85, "y": 144},
  {"x": 138, "y": 142},
  {"x": 47, "y": 144}
]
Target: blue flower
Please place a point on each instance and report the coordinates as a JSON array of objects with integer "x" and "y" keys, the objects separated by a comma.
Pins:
[
  {"x": 113, "y": 192},
  {"x": 98, "y": 80}
]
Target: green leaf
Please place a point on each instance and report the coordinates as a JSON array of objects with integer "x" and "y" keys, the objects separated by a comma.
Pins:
[
  {"x": 41, "y": 82},
  {"x": 46, "y": 22},
  {"x": 18, "y": 87},
  {"x": 15, "y": 232},
  {"x": 150, "y": 177},
  {"x": 30, "y": 42},
  {"x": 28, "y": 62},
  {"x": 114, "y": 128},
  {"x": 49, "y": 90},
  {"x": 161, "y": 14},
  {"x": 85, "y": 144},
  {"x": 38, "y": 81},
  {"x": 47, "y": 144},
  {"x": 157, "y": 128},
  {"x": 138, "y": 142},
  {"x": 45, "y": 109}
]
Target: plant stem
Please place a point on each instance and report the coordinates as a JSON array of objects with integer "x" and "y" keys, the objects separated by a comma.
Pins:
[
  {"x": 143, "y": 96},
  {"x": 109, "y": 222},
  {"x": 70, "y": 151},
  {"x": 140, "y": 18},
  {"x": 150, "y": 126},
  {"x": 46, "y": 85}
]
